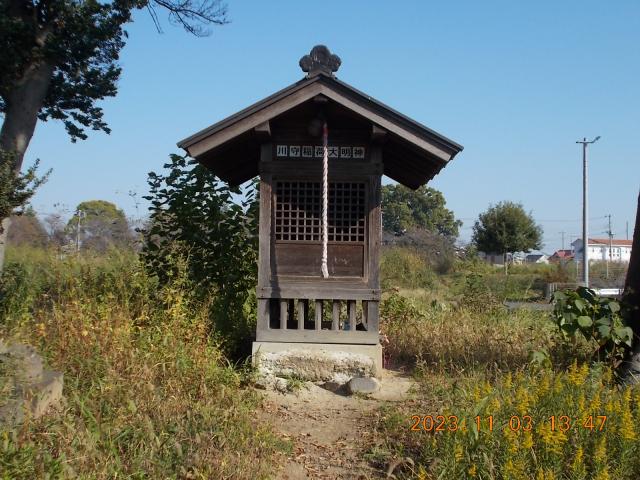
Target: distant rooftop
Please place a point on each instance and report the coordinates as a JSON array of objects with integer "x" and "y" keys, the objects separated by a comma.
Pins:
[
  {"x": 605, "y": 241},
  {"x": 614, "y": 241}
]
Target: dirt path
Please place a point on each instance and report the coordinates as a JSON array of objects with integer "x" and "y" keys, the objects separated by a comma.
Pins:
[{"x": 330, "y": 431}]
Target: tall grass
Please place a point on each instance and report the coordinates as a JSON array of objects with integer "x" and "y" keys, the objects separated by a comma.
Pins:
[
  {"x": 148, "y": 393},
  {"x": 474, "y": 358}
]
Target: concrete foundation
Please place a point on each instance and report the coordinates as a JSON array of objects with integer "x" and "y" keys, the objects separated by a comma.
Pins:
[{"x": 317, "y": 362}]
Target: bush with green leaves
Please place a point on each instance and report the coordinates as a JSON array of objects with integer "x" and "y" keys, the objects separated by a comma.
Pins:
[
  {"x": 195, "y": 215},
  {"x": 583, "y": 313}
]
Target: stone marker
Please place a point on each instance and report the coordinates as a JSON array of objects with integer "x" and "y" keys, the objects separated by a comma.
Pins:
[
  {"x": 364, "y": 385},
  {"x": 31, "y": 389}
]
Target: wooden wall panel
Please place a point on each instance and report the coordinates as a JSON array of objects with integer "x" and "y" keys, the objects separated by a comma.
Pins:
[{"x": 301, "y": 259}]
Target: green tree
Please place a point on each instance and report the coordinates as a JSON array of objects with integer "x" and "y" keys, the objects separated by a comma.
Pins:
[
  {"x": 506, "y": 228},
  {"x": 59, "y": 58},
  {"x": 404, "y": 209},
  {"x": 98, "y": 225},
  {"x": 191, "y": 208}
]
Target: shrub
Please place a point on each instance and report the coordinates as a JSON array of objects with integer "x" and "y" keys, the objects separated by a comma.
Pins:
[
  {"x": 597, "y": 319},
  {"x": 197, "y": 217}
]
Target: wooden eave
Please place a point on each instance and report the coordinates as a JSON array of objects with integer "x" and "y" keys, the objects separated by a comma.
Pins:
[{"x": 413, "y": 153}]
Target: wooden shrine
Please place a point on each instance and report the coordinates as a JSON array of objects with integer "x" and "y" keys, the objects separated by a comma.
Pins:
[{"x": 291, "y": 139}]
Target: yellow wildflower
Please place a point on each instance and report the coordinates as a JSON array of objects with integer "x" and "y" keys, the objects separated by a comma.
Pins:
[
  {"x": 545, "y": 474},
  {"x": 508, "y": 381},
  {"x": 41, "y": 329},
  {"x": 558, "y": 384},
  {"x": 610, "y": 406},
  {"x": 527, "y": 441},
  {"x": 511, "y": 438},
  {"x": 543, "y": 386},
  {"x": 553, "y": 440},
  {"x": 508, "y": 469},
  {"x": 584, "y": 371},
  {"x": 515, "y": 470},
  {"x": 577, "y": 466},
  {"x": 603, "y": 474},
  {"x": 494, "y": 406},
  {"x": 600, "y": 453},
  {"x": 476, "y": 393},
  {"x": 523, "y": 401},
  {"x": 458, "y": 452},
  {"x": 487, "y": 388},
  {"x": 626, "y": 427},
  {"x": 473, "y": 470},
  {"x": 577, "y": 375},
  {"x": 422, "y": 473}
]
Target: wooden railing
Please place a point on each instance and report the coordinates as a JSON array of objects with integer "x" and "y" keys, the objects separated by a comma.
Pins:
[{"x": 318, "y": 321}]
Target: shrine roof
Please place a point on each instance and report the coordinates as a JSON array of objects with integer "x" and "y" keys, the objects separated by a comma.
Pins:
[{"x": 412, "y": 153}]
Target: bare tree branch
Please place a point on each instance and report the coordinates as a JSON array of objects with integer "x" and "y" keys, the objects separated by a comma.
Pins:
[
  {"x": 154, "y": 17},
  {"x": 195, "y": 15}
]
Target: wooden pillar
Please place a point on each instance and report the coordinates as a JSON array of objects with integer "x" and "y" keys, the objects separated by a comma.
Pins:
[
  {"x": 283, "y": 314},
  {"x": 335, "y": 323},
  {"x": 351, "y": 311},
  {"x": 303, "y": 313},
  {"x": 264, "y": 249},
  {"x": 318, "y": 315},
  {"x": 375, "y": 237},
  {"x": 373, "y": 317},
  {"x": 365, "y": 313},
  {"x": 264, "y": 314}
]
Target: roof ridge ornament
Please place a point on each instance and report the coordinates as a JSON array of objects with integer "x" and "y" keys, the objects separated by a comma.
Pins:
[{"x": 320, "y": 60}]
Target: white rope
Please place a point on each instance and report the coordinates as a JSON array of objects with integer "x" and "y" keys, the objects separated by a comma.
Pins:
[{"x": 325, "y": 199}]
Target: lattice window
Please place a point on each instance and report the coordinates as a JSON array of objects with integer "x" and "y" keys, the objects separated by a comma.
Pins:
[{"x": 298, "y": 211}]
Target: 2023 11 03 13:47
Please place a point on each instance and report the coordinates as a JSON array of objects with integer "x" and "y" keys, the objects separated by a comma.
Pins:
[{"x": 516, "y": 423}]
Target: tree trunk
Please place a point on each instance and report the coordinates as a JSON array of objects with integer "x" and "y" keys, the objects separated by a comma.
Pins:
[
  {"x": 506, "y": 264},
  {"x": 630, "y": 368},
  {"x": 20, "y": 117}
]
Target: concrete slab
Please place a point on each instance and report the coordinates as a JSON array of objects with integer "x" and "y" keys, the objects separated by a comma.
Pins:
[{"x": 317, "y": 362}]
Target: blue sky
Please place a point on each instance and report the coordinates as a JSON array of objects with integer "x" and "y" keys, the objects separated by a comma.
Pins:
[{"x": 516, "y": 83}]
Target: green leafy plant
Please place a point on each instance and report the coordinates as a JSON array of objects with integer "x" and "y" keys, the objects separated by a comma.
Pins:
[
  {"x": 583, "y": 313},
  {"x": 195, "y": 215}
]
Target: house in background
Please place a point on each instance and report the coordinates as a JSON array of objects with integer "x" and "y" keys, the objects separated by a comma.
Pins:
[
  {"x": 497, "y": 259},
  {"x": 603, "y": 249},
  {"x": 561, "y": 256},
  {"x": 537, "y": 258}
]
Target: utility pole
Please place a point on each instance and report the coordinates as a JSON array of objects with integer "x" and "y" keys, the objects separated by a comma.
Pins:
[
  {"x": 610, "y": 235},
  {"x": 585, "y": 211},
  {"x": 562, "y": 233},
  {"x": 79, "y": 214}
]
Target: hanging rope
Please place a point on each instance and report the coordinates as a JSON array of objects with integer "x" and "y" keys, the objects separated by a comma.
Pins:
[{"x": 325, "y": 198}]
